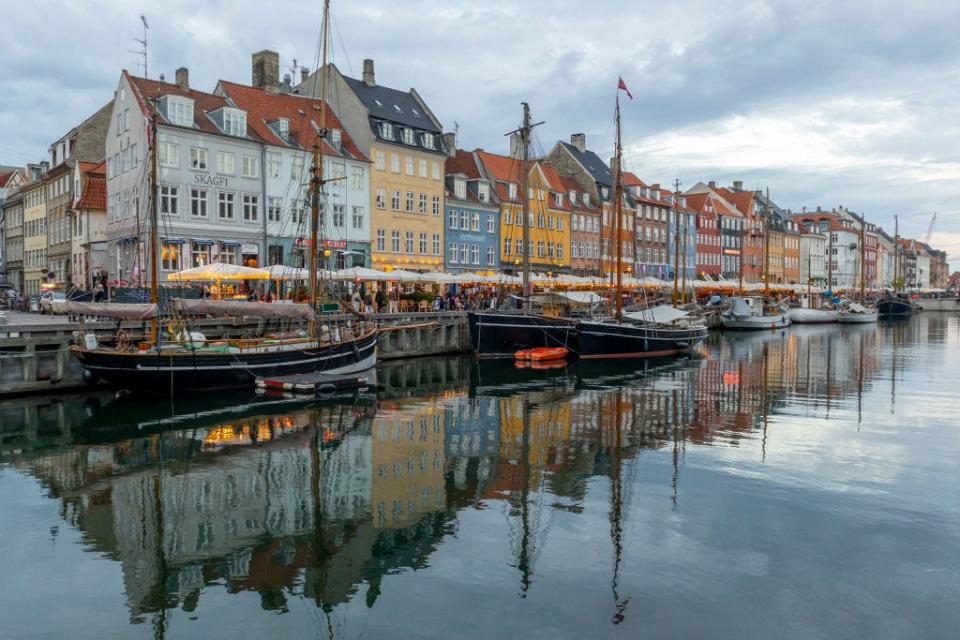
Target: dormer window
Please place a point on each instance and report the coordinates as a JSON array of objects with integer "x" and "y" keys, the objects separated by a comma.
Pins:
[
  {"x": 335, "y": 138},
  {"x": 512, "y": 190},
  {"x": 415, "y": 112},
  {"x": 407, "y": 134},
  {"x": 234, "y": 122},
  {"x": 606, "y": 193},
  {"x": 177, "y": 110},
  {"x": 428, "y": 141},
  {"x": 281, "y": 127},
  {"x": 386, "y": 130},
  {"x": 460, "y": 188},
  {"x": 586, "y": 199},
  {"x": 483, "y": 190},
  {"x": 558, "y": 199},
  {"x": 573, "y": 197}
]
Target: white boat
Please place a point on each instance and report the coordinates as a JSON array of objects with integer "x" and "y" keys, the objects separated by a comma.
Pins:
[
  {"x": 853, "y": 313},
  {"x": 805, "y": 315},
  {"x": 937, "y": 301},
  {"x": 748, "y": 314}
]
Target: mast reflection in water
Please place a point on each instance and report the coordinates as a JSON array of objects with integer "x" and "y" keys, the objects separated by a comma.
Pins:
[{"x": 754, "y": 485}]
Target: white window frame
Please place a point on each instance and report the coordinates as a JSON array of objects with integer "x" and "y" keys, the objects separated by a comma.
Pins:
[
  {"x": 251, "y": 207},
  {"x": 199, "y": 160},
  {"x": 226, "y": 205},
  {"x": 226, "y": 163},
  {"x": 249, "y": 166}
]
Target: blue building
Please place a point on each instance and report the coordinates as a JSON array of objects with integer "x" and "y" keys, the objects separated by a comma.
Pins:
[
  {"x": 472, "y": 228},
  {"x": 682, "y": 221}
]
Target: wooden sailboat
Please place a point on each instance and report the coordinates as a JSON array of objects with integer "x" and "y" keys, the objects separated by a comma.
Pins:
[
  {"x": 184, "y": 359},
  {"x": 895, "y": 303},
  {"x": 502, "y": 333},
  {"x": 659, "y": 331},
  {"x": 858, "y": 312}
]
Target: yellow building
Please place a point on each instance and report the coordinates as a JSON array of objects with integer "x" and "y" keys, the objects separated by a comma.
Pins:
[
  {"x": 403, "y": 138},
  {"x": 34, "y": 237},
  {"x": 548, "y": 212}
]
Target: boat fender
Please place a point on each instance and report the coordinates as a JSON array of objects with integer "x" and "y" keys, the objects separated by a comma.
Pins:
[
  {"x": 90, "y": 340},
  {"x": 89, "y": 376},
  {"x": 326, "y": 387}
]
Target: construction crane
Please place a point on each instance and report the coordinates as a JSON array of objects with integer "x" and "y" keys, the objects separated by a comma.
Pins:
[{"x": 933, "y": 221}]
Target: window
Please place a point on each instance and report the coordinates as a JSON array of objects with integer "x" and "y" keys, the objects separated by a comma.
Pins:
[
  {"x": 357, "y": 217},
  {"x": 541, "y": 220},
  {"x": 198, "y": 203},
  {"x": 168, "y": 154},
  {"x": 169, "y": 197},
  {"x": 407, "y": 134},
  {"x": 296, "y": 168},
  {"x": 395, "y": 241},
  {"x": 249, "y": 167},
  {"x": 436, "y": 205},
  {"x": 180, "y": 112},
  {"x": 423, "y": 168},
  {"x": 490, "y": 223},
  {"x": 251, "y": 208},
  {"x": 381, "y": 198},
  {"x": 464, "y": 220},
  {"x": 436, "y": 170},
  {"x": 356, "y": 178},
  {"x": 228, "y": 253},
  {"x": 395, "y": 162},
  {"x": 452, "y": 219},
  {"x": 409, "y": 201},
  {"x": 429, "y": 141},
  {"x": 422, "y": 207},
  {"x": 453, "y": 253},
  {"x": 381, "y": 240},
  {"x": 408, "y": 242},
  {"x": 550, "y": 247},
  {"x": 409, "y": 166},
  {"x": 273, "y": 209},
  {"x": 338, "y": 216},
  {"x": 490, "y": 256},
  {"x": 395, "y": 200},
  {"x": 540, "y": 248},
  {"x": 226, "y": 202},
  {"x": 423, "y": 244},
  {"x": 274, "y": 164},
  {"x": 436, "y": 244},
  {"x": 234, "y": 123},
  {"x": 199, "y": 254},
  {"x": 226, "y": 163},
  {"x": 475, "y": 222},
  {"x": 198, "y": 159},
  {"x": 512, "y": 191},
  {"x": 381, "y": 161},
  {"x": 170, "y": 257},
  {"x": 386, "y": 130},
  {"x": 475, "y": 254},
  {"x": 559, "y": 224},
  {"x": 507, "y": 245}
]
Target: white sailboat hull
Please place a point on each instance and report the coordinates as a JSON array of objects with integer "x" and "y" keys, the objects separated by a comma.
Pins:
[
  {"x": 813, "y": 316},
  {"x": 755, "y": 323},
  {"x": 858, "y": 318},
  {"x": 942, "y": 304}
]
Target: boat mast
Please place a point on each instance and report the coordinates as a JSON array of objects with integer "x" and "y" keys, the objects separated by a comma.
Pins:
[
  {"x": 617, "y": 217},
  {"x": 676, "y": 238},
  {"x": 154, "y": 293},
  {"x": 809, "y": 281},
  {"x": 896, "y": 251},
  {"x": 765, "y": 225},
  {"x": 740, "y": 264},
  {"x": 863, "y": 263},
  {"x": 830, "y": 261},
  {"x": 316, "y": 180},
  {"x": 524, "y": 199}
]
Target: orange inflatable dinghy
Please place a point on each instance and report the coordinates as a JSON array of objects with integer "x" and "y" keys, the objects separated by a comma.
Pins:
[{"x": 542, "y": 353}]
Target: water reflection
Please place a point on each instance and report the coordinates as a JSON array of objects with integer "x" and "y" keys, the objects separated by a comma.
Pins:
[{"x": 323, "y": 501}]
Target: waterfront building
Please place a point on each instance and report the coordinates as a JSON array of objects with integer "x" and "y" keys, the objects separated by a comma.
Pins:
[
  {"x": 584, "y": 229},
  {"x": 681, "y": 221},
  {"x": 885, "y": 255},
  {"x": 708, "y": 235},
  {"x": 472, "y": 214},
  {"x": 813, "y": 252},
  {"x": 843, "y": 245},
  {"x": 210, "y": 189},
  {"x": 939, "y": 268},
  {"x": 549, "y": 215},
  {"x": 735, "y": 229},
  {"x": 11, "y": 229},
  {"x": 88, "y": 252},
  {"x": 650, "y": 227},
  {"x": 399, "y": 132},
  {"x": 80, "y": 148},
  {"x": 34, "y": 236},
  {"x": 287, "y": 123},
  {"x": 923, "y": 258}
]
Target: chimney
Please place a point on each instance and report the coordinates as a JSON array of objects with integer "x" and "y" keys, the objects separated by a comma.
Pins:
[
  {"x": 369, "y": 78},
  {"x": 286, "y": 86},
  {"x": 713, "y": 184},
  {"x": 450, "y": 142},
  {"x": 738, "y": 185},
  {"x": 304, "y": 74},
  {"x": 162, "y": 78},
  {"x": 515, "y": 147},
  {"x": 579, "y": 140},
  {"x": 183, "y": 79},
  {"x": 818, "y": 208},
  {"x": 266, "y": 71}
]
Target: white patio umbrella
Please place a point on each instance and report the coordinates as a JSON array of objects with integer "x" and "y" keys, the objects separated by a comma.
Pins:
[
  {"x": 357, "y": 273},
  {"x": 217, "y": 271}
]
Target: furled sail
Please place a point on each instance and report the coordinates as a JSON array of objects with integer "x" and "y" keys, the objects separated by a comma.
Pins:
[
  {"x": 231, "y": 309},
  {"x": 118, "y": 310}
]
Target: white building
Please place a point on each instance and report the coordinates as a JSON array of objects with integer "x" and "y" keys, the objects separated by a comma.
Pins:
[{"x": 813, "y": 251}]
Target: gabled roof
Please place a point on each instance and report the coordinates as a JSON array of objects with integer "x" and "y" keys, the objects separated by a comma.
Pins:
[
  {"x": 464, "y": 163},
  {"x": 302, "y": 112},
  {"x": 569, "y": 184},
  {"x": 631, "y": 180},
  {"x": 384, "y": 103},
  {"x": 590, "y": 161},
  {"x": 93, "y": 194},
  {"x": 149, "y": 91},
  {"x": 742, "y": 200},
  {"x": 4, "y": 178}
]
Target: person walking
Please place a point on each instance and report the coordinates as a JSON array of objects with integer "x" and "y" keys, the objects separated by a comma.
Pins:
[
  {"x": 380, "y": 300},
  {"x": 394, "y": 300}
]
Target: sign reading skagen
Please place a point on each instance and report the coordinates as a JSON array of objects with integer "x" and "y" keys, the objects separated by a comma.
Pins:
[{"x": 212, "y": 181}]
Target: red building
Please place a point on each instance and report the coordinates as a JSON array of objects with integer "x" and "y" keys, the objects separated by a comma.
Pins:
[{"x": 708, "y": 234}]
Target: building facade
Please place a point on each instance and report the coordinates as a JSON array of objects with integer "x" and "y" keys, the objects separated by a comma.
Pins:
[
  {"x": 472, "y": 214},
  {"x": 397, "y": 130},
  {"x": 708, "y": 235},
  {"x": 34, "y": 237},
  {"x": 88, "y": 254},
  {"x": 813, "y": 257},
  {"x": 584, "y": 230}
]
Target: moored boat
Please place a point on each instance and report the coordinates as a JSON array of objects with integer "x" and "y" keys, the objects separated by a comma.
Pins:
[
  {"x": 804, "y": 315},
  {"x": 853, "y": 313},
  {"x": 895, "y": 306},
  {"x": 747, "y": 313},
  {"x": 937, "y": 301}
]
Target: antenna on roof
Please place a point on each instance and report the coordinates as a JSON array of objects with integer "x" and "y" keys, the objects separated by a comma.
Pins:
[
  {"x": 142, "y": 52},
  {"x": 456, "y": 134}
]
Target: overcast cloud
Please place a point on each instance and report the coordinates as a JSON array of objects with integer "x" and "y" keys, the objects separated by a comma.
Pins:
[{"x": 825, "y": 103}]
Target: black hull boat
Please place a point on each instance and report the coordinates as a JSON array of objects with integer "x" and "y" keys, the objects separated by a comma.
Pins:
[
  {"x": 611, "y": 340},
  {"x": 501, "y": 334},
  {"x": 894, "y": 307},
  {"x": 200, "y": 369}
]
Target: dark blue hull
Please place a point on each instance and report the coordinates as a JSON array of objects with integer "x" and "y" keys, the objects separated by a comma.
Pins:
[
  {"x": 499, "y": 334},
  {"x": 611, "y": 340},
  {"x": 894, "y": 308}
]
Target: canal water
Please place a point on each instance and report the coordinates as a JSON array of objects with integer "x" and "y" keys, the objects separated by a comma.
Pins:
[{"x": 799, "y": 484}]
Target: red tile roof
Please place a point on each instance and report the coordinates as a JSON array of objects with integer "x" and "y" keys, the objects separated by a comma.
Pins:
[
  {"x": 742, "y": 200},
  {"x": 631, "y": 180},
  {"x": 93, "y": 193},
  {"x": 4, "y": 178},
  {"x": 148, "y": 91},
  {"x": 303, "y": 112},
  {"x": 500, "y": 168},
  {"x": 463, "y": 162}
]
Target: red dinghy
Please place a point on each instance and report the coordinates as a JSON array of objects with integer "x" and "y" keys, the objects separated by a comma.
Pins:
[{"x": 542, "y": 353}]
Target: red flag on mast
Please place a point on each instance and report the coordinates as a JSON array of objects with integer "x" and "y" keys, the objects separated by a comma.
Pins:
[{"x": 623, "y": 85}]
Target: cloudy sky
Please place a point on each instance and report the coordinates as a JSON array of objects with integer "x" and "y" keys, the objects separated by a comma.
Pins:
[{"x": 826, "y": 103}]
